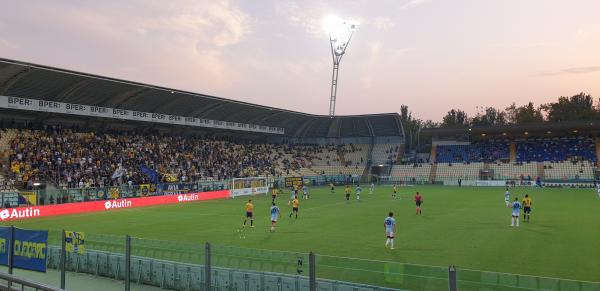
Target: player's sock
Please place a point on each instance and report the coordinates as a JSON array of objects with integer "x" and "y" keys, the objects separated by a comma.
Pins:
[
  {"x": 296, "y": 215},
  {"x": 252, "y": 222},
  {"x": 387, "y": 242},
  {"x": 517, "y": 222},
  {"x": 392, "y": 243},
  {"x": 512, "y": 221}
]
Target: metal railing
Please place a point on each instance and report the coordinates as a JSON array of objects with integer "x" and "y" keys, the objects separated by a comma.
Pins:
[
  {"x": 139, "y": 263},
  {"x": 12, "y": 282}
]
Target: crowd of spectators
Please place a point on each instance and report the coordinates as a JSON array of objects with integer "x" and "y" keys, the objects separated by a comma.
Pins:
[
  {"x": 74, "y": 159},
  {"x": 533, "y": 150},
  {"x": 472, "y": 153},
  {"x": 557, "y": 150},
  {"x": 91, "y": 160}
]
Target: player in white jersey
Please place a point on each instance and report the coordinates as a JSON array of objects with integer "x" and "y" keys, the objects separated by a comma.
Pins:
[
  {"x": 304, "y": 192},
  {"x": 372, "y": 188},
  {"x": 274, "y": 215},
  {"x": 358, "y": 190},
  {"x": 516, "y": 209},
  {"x": 390, "y": 230},
  {"x": 507, "y": 197},
  {"x": 598, "y": 190}
]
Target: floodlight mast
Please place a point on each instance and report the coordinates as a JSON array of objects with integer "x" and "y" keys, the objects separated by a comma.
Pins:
[{"x": 339, "y": 41}]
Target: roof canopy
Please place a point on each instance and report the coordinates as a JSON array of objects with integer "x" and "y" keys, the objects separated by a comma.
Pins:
[{"x": 19, "y": 79}]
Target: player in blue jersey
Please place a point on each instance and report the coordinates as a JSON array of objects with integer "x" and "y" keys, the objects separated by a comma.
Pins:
[
  {"x": 507, "y": 197},
  {"x": 390, "y": 230},
  {"x": 274, "y": 215},
  {"x": 516, "y": 209},
  {"x": 358, "y": 190}
]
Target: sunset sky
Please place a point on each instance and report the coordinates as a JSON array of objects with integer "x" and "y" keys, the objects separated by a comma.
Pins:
[{"x": 432, "y": 55}]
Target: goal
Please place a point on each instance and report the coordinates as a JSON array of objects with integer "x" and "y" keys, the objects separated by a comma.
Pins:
[{"x": 249, "y": 186}]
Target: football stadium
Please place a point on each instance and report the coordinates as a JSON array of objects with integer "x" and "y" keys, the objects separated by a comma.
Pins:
[{"x": 112, "y": 184}]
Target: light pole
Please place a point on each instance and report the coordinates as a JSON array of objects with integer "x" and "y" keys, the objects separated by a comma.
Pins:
[{"x": 340, "y": 32}]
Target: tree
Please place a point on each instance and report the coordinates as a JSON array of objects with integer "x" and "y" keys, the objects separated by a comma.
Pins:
[
  {"x": 455, "y": 118},
  {"x": 430, "y": 124},
  {"x": 489, "y": 117},
  {"x": 576, "y": 107},
  {"x": 412, "y": 127},
  {"x": 523, "y": 114}
]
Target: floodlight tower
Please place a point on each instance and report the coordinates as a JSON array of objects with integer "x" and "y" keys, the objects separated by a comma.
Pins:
[{"x": 340, "y": 32}]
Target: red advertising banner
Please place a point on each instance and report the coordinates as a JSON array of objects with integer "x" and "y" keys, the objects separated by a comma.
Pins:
[{"x": 106, "y": 205}]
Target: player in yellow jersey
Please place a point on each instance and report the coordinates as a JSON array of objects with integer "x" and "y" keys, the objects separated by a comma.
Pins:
[
  {"x": 526, "y": 208},
  {"x": 348, "y": 191},
  {"x": 274, "y": 194},
  {"x": 332, "y": 186},
  {"x": 295, "y": 205},
  {"x": 394, "y": 191},
  {"x": 249, "y": 213}
]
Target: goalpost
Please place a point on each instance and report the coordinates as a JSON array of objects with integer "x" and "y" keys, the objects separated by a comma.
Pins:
[{"x": 249, "y": 186}]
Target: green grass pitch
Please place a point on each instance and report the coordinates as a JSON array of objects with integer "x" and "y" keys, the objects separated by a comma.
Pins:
[{"x": 467, "y": 227}]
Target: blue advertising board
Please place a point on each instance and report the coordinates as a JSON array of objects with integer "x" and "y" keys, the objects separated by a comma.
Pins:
[{"x": 30, "y": 248}]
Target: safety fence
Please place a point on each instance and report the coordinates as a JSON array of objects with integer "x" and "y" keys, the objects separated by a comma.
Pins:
[{"x": 132, "y": 263}]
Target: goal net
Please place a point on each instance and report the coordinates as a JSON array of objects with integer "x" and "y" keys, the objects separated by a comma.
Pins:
[{"x": 249, "y": 186}]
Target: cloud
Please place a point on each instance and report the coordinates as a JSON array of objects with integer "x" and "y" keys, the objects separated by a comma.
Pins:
[
  {"x": 308, "y": 17},
  {"x": 148, "y": 41},
  {"x": 413, "y": 3},
  {"x": 383, "y": 23},
  {"x": 577, "y": 70},
  {"x": 8, "y": 44}
]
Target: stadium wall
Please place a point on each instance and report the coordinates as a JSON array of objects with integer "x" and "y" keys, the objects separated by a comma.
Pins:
[{"x": 106, "y": 205}]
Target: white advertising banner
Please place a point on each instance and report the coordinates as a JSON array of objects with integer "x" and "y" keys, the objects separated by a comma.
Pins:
[{"x": 20, "y": 103}]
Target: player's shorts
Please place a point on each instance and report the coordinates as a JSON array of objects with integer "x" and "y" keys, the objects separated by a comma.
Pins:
[
  {"x": 249, "y": 214},
  {"x": 389, "y": 234},
  {"x": 515, "y": 214},
  {"x": 527, "y": 209},
  {"x": 273, "y": 218},
  {"x": 418, "y": 203},
  {"x": 273, "y": 196},
  {"x": 347, "y": 195},
  {"x": 295, "y": 209}
]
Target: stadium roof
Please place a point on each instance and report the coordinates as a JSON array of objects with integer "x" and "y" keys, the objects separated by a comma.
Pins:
[
  {"x": 20, "y": 79},
  {"x": 528, "y": 130}
]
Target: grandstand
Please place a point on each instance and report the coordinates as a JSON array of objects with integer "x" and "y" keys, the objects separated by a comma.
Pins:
[
  {"x": 553, "y": 152},
  {"x": 40, "y": 118}
]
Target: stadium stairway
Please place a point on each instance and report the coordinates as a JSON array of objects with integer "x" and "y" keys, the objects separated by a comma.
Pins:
[
  {"x": 513, "y": 152},
  {"x": 598, "y": 151},
  {"x": 400, "y": 155},
  {"x": 540, "y": 170},
  {"x": 432, "y": 173},
  {"x": 433, "y": 153}
]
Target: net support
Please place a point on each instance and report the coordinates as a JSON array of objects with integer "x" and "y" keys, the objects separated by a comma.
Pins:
[
  {"x": 452, "y": 278},
  {"x": 63, "y": 260},
  {"x": 127, "y": 263},
  {"x": 312, "y": 272},
  {"x": 207, "y": 270}
]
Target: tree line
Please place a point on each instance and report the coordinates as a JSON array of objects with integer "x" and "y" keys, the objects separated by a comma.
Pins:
[{"x": 578, "y": 107}]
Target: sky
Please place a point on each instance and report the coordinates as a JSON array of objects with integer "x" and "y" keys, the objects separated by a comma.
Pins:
[{"x": 432, "y": 55}]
